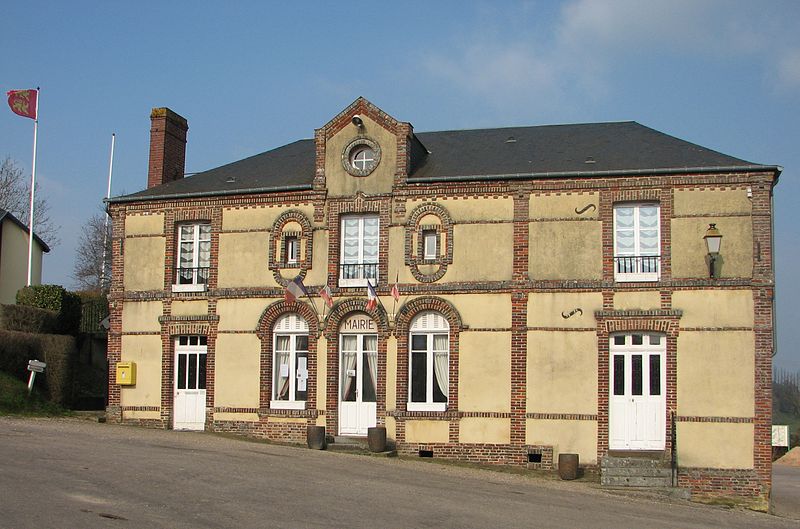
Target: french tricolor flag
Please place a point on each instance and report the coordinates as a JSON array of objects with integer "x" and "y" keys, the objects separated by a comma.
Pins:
[
  {"x": 294, "y": 289},
  {"x": 372, "y": 297}
]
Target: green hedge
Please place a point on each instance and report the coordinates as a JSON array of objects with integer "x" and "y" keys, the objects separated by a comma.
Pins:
[
  {"x": 58, "y": 351},
  {"x": 28, "y": 319},
  {"x": 56, "y": 298}
]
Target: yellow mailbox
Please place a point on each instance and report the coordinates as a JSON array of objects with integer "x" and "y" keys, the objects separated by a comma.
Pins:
[{"x": 126, "y": 373}]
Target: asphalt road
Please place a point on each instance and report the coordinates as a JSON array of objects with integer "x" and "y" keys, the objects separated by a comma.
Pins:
[
  {"x": 786, "y": 491},
  {"x": 81, "y": 474}
]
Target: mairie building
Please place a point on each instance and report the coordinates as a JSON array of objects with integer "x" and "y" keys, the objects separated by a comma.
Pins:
[{"x": 597, "y": 289}]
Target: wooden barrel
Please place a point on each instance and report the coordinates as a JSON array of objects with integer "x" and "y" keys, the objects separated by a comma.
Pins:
[
  {"x": 376, "y": 438},
  {"x": 315, "y": 437},
  {"x": 568, "y": 466}
]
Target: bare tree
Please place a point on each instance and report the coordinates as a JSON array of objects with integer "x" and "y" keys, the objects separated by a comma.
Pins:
[
  {"x": 15, "y": 198},
  {"x": 94, "y": 246}
]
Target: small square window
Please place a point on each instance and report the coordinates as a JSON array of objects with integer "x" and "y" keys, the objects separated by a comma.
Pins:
[
  {"x": 292, "y": 249},
  {"x": 430, "y": 250},
  {"x": 619, "y": 339}
]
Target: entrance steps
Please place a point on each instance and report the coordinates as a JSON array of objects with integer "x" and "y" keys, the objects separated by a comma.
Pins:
[
  {"x": 355, "y": 445},
  {"x": 636, "y": 469}
]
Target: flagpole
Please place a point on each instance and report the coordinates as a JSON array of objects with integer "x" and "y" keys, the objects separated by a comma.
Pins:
[
  {"x": 33, "y": 187},
  {"x": 105, "y": 221}
]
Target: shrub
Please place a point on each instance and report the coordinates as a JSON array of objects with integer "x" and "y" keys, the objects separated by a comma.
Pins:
[
  {"x": 57, "y": 298},
  {"x": 58, "y": 351},
  {"x": 28, "y": 319}
]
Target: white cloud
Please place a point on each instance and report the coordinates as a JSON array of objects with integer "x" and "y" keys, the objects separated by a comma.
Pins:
[
  {"x": 788, "y": 69},
  {"x": 577, "y": 53}
]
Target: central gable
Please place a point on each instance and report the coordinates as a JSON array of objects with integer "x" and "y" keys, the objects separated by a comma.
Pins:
[{"x": 361, "y": 150}]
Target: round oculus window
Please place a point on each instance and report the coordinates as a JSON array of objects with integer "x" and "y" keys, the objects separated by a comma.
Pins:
[{"x": 361, "y": 157}]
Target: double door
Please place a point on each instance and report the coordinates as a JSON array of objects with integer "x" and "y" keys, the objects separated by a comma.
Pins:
[{"x": 358, "y": 383}]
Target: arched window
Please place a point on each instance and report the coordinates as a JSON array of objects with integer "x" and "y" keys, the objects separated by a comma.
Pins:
[
  {"x": 429, "y": 362},
  {"x": 290, "y": 362}
]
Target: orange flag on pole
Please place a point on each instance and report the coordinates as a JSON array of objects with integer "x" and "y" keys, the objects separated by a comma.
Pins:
[{"x": 23, "y": 102}]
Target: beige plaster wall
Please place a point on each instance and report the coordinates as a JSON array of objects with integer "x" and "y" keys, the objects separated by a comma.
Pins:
[
  {"x": 689, "y": 249},
  {"x": 236, "y": 373},
  {"x": 637, "y": 300},
  {"x": 141, "y": 316},
  {"x": 471, "y": 209},
  {"x": 427, "y": 431},
  {"x": 146, "y": 352},
  {"x": 397, "y": 257},
  {"x": 143, "y": 262},
  {"x": 552, "y": 252},
  {"x": 715, "y": 202},
  {"x": 189, "y": 308},
  {"x": 340, "y": 182},
  {"x": 259, "y": 218},
  {"x": 322, "y": 374},
  {"x": 484, "y": 371},
  {"x": 14, "y": 261},
  {"x": 557, "y": 361},
  {"x": 484, "y": 430},
  {"x": 715, "y": 445},
  {"x": 566, "y": 437},
  {"x": 286, "y": 420},
  {"x": 391, "y": 428},
  {"x": 714, "y": 308},
  {"x": 715, "y": 373},
  {"x": 243, "y": 260},
  {"x": 564, "y": 206},
  {"x": 239, "y": 417},
  {"x": 545, "y": 309},
  {"x": 134, "y": 414},
  {"x": 493, "y": 261},
  {"x": 241, "y": 314},
  {"x": 483, "y": 310},
  {"x": 391, "y": 373},
  {"x": 318, "y": 274},
  {"x": 144, "y": 224}
]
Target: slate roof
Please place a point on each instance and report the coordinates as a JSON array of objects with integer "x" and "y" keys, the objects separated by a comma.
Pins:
[
  {"x": 593, "y": 149},
  {"x": 7, "y": 215}
]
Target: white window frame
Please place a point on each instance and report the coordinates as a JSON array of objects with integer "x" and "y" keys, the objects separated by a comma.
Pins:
[
  {"x": 428, "y": 324},
  {"x": 358, "y": 281},
  {"x": 195, "y": 285},
  {"x": 363, "y": 158},
  {"x": 430, "y": 245},
  {"x": 292, "y": 249},
  {"x": 292, "y": 325},
  {"x": 638, "y": 274}
]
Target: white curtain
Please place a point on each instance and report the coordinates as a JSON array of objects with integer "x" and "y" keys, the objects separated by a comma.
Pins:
[
  {"x": 281, "y": 372},
  {"x": 348, "y": 363},
  {"x": 440, "y": 363},
  {"x": 371, "y": 352}
]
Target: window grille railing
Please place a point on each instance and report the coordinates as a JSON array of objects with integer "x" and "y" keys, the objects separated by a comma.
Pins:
[
  {"x": 359, "y": 271},
  {"x": 192, "y": 276},
  {"x": 634, "y": 265}
]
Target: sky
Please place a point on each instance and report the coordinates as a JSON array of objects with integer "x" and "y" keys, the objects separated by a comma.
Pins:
[{"x": 252, "y": 76}]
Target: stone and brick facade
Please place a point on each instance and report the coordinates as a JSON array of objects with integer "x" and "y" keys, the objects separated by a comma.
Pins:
[{"x": 525, "y": 284}]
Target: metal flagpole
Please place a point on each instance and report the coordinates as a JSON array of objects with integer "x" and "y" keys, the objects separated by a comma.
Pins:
[
  {"x": 33, "y": 187},
  {"x": 105, "y": 222}
]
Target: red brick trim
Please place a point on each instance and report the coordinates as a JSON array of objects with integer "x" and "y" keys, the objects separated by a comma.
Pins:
[
  {"x": 277, "y": 246},
  {"x": 264, "y": 331},
  {"x": 337, "y": 315},
  {"x": 611, "y": 321},
  {"x": 695, "y": 418}
]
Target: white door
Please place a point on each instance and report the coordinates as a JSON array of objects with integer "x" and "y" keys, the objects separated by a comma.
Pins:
[
  {"x": 190, "y": 383},
  {"x": 637, "y": 401},
  {"x": 358, "y": 367}
]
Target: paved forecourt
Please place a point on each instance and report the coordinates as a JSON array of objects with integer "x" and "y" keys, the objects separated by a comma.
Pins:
[{"x": 78, "y": 473}]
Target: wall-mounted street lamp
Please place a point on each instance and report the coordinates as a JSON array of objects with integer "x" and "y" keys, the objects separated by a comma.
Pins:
[{"x": 713, "y": 240}]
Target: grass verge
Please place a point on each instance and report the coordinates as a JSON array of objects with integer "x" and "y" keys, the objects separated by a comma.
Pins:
[{"x": 14, "y": 400}]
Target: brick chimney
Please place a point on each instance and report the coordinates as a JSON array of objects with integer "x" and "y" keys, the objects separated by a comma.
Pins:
[{"x": 167, "y": 147}]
